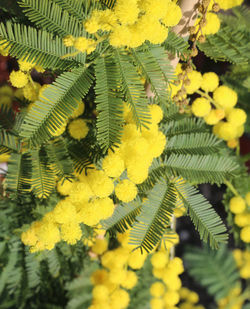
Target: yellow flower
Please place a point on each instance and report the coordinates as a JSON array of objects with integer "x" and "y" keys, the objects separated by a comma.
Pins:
[
  {"x": 100, "y": 246},
  {"x": 245, "y": 234},
  {"x": 210, "y": 81},
  {"x": 225, "y": 97},
  {"x": 212, "y": 25},
  {"x": 227, "y": 131},
  {"x": 78, "y": 128},
  {"x": 126, "y": 191},
  {"x": 159, "y": 259},
  {"x": 195, "y": 81},
  {"x": 71, "y": 232},
  {"x": 101, "y": 292},
  {"x": 201, "y": 107},
  {"x": 237, "y": 205},
  {"x": 157, "y": 289},
  {"x": 130, "y": 280},
  {"x": 68, "y": 40},
  {"x": 113, "y": 165},
  {"x": 18, "y": 79},
  {"x": 173, "y": 15},
  {"x": 156, "y": 113},
  {"x": 237, "y": 116},
  {"x": 64, "y": 186}
]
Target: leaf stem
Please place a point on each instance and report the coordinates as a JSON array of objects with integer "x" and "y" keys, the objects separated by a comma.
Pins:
[{"x": 231, "y": 187}]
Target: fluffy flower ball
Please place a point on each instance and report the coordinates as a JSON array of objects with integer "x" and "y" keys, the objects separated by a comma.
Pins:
[
  {"x": 227, "y": 131},
  {"x": 173, "y": 15},
  {"x": 195, "y": 78},
  {"x": 156, "y": 113},
  {"x": 126, "y": 191},
  {"x": 159, "y": 259},
  {"x": 213, "y": 24},
  {"x": 210, "y": 81},
  {"x": 64, "y": 186},
  {"x": 113, "y": 165},
  {"x": 245, "y": 234},
  {"x": 237, "y": 116},
  {"x": 201, "y": 107},
  {"x": 225, "y": 97},
  {"x": 78, "y": 129},
  {"x": 157, "y": 289},
  {"x": 237, "y": 205},
  {"x": 18, "y": 79}
]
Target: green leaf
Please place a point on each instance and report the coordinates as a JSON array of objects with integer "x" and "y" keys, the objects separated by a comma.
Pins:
[
  {"x": 51, "y": 17},
  {"x": 202, "y": 214},
  {"x": 152, "y": 71},
  {"x": 123, "y": 217},
  {"x": 56, "y": 104},
  {"x": 10, "y": 141},
  {"x": 201, "y": 168},
  {"x": 59, "y": 159},
  {"x": 214, "y": 270},
  {"x": 109, "y": 103},
  {"x": 32, "y": 269},
  {"x": 175, "y": 44},
  {"x": 154, "y": 218},
  {"x": 18, "y": 180},
  {"x": 227, "y": 45},
  {"x": 132, "y": 88},
  {"x": 73, "y": 7},
  {"x": 39, "y": 46},
  {"x": 43, "y": 179},
  {"x": 194, "y": 143}
]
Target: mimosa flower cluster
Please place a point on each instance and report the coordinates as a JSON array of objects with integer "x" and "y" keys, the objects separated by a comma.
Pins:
[
  {"x": 240, "y": 207},
  {"x": 217, "y": 109},
  {"x": 130, "y": 23},
  {"x": 117, "y": 274},
  {"x": 242, "y": 259},
  {"x": 88, "y": 199}
]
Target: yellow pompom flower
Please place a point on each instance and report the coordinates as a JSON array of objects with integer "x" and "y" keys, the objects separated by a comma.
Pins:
[
  {"x": 130, "y": 280},
  {"x": 237, "y": 205},
  {"x": 100, "y": 292},
  {"x": 100, "y": 246},
  {"x": 176, "y": 265},
  {"x": 68, "y": 40},
  {"x": 107, "y": 207},
  {"x": 113, "y": 165},
  {"x": 156, "y": 303},
  {"x": 156, "y": 113},
  {"x": 84, "y": 45},
  {"x": 210, "y": 81},
  {"x": 119, "y": 299},
  {"x": 64, "y": 186},
  {"x": 117, "y": 276},
  {"x": 159, "y": 259},
  {"x": 126, "y": 191},
  {"x": 201, "y": 107},
  {"x": 232, "y": 143},
  {"x": 100, "y": 276},
  {"x": 227, "y": 131},
  {"x": 136, "y": 259},
  {"x": 247, "y": 198},
  {"x": 137, "y": 173},
  {"x": 228, "y": 4},
  {"x": 126, "y": 11},
  {"x": 71, "y": 232},
  {"x": 173, "y": 15},
  {"x": 81, "y": 192},
  {"x": 18, "y": 79},
  {"x": 100, "y": 184},
  {"x": 78, "y": 129},
  {"x": 225, "y": 97},
  {"x": 245, "y": 234},
  {"x": 242, "y": 219},
  {"x": 214, "y": 116},
  {"x": 157, "y": 289},
  {"x": 29, "y": 237},
  {"x": 193, "y": 297},
  {"x": 237, "y": 116},
  {"x": 195, "y": 81},
  {"x": 49, "y": 235},
  {"x": 212, "y": 25},
  {"x": 79, "y": 110},
  {"x": 64, "y": 212},
  {"x": 171, "y": 298},
  {"x": 157, "y": 33}
]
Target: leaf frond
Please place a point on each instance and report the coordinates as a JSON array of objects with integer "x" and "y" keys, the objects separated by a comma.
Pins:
[
  {"x": 202, "y": 214},
  {"x": 154, "y": 218},
  {"x": 56, "y": 104}
]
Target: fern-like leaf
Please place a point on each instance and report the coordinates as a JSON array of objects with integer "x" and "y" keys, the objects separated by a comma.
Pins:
[
  {"x": 59, "y": 159},
  {"x": 51, "y": 17},
  {"x": 43, "y": 179},
  {"x": 175, "y": 44},
  {"x": 122, "y": 218},
  {"x": 201, "y": 168},
  {"x": 109, "y": 103},
  {"x": 194, "y": 143},
  {"x": 152, "y": 71},
  {"x": 133, "y": 89},
  {"x": 10, "y": 141},
  {"x": 214, "y": 270},
  {"x": 73, "y": 7},
  {"x": 227, "y": 45},
  {"x": 38, "y": 46},
  {"x": 33, "y": 270},
  {"x": 56, "y": 104},
  {"x": 18, "y": 178},
  {"x": 154, "y": 218},
  {"x": 202, "y": 214}
]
